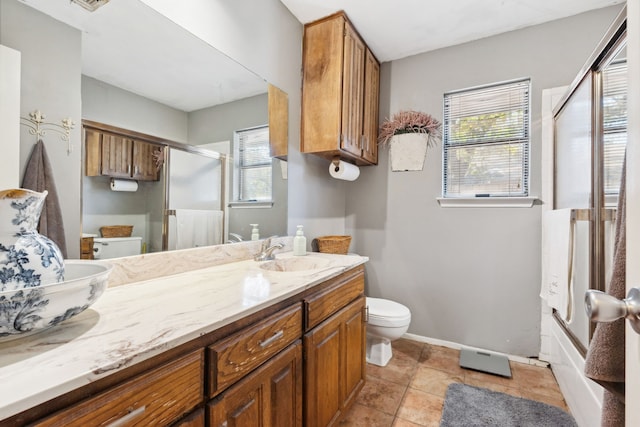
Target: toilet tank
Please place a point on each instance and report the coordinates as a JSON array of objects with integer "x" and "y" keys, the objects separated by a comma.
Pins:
[{"x": 116, "y": 247}]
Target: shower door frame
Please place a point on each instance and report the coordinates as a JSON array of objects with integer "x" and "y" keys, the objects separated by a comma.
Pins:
[
  {"x": 607, "y": 49},
  {"x": 224, "y": 166}
]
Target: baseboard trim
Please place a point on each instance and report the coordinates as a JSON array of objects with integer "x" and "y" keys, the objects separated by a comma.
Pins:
[{"x": 456, "y": 346}]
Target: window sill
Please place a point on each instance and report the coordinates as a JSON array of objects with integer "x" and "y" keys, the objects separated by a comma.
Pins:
[
  {"x": 486, "y": 202},
  {"x": 251, "y": 205}
]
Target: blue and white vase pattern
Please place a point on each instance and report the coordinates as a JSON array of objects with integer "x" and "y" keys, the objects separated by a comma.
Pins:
[
  {"x": 27, "y": 258},
  {"x": 24, "y": 312}
]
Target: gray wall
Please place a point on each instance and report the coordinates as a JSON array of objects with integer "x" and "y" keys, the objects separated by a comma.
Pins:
[
  {"x": 104, "y": 103},
  {"x": 50, "y": 82},
  {"x": 469, "y": 275},
  {"x": 218, "y": 124}
]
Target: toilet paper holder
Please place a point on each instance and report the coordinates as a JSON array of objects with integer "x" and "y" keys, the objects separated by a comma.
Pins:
[
  {"x": 340, "y": 169},
  {"x": 336, "y": 162}
]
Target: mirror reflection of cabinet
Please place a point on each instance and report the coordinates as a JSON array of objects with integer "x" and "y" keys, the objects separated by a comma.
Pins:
[
  {"x": 278, "y": 122},
  {"x": 340, "y": 92},
  {"x": 119, "y": 156}
]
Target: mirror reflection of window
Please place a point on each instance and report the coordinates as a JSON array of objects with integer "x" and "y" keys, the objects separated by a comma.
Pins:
[
  {"x": 614, "y": 111},
  {"x": 253, "y": 170}
]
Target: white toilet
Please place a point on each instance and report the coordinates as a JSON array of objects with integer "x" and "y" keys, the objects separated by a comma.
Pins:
[
  {"x": 116, "y": 247},
  {"x": 388, "y": 321}
]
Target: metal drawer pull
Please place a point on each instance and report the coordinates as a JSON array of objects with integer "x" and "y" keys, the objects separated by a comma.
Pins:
[
  {"x": 275, "y": 337},
  {"x": 133, "y": 413}
]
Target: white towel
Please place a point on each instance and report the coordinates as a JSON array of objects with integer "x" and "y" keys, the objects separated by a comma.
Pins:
[
  {"x": 558, "y": 236},
  {"x": 194, "y": 228}
]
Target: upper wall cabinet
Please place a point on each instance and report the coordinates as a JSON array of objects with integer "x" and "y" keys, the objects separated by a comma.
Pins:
[
  {"x": 340, "y": 92},
  {"x": 119, "y": 156}
]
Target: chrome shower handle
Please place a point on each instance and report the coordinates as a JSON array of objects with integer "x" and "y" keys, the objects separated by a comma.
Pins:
[{"x": 601, "y": 307}]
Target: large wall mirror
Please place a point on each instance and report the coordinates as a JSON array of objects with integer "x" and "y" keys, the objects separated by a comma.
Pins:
[{"x": 144, "y": 73}]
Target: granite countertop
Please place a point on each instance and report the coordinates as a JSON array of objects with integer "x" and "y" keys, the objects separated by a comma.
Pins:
[{"x": 138, "y": 320}]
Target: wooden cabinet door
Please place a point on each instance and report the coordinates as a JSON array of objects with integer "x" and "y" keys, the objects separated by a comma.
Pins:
[
  {"x": 93, "y": 152},
  {"x": 335, "y": 365},
  {"x": 370, "y": 112},
  {"x": 269, "y": 397},
  {"x": 144, "y": 167},
  {"x": 354, "y": 351},
  {"x": 116, "y": 156},
  {"x": 352, "y": 92},
  {"x": 322, "y": 58}
]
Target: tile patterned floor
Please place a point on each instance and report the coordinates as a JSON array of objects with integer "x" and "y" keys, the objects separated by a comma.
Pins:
[{"x": 410, "y": 390}]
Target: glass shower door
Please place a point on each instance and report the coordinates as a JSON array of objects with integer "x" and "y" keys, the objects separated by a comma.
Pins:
[{"x": 194, "y": 213}]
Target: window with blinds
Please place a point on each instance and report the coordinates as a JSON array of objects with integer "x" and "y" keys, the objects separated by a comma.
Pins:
[
  {"x": 614, "y": 111},
  {"x": 486, "y": 141},
  {"x": 252, "y": 165}
]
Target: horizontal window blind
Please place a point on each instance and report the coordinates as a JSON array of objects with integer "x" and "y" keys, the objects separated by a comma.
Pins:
[
  {"x": 253, "y": 163},
  {"x": 614, "y": 111},
  {"x": 486, "y": 141}
]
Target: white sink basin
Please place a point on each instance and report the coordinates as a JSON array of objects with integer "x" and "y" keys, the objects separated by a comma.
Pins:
[{"x": 305, "y": 263}]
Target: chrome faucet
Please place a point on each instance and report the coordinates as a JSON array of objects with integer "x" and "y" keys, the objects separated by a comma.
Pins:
[
  {"x": 266, "y": 251},
  {"x": 234, "y": 238}
]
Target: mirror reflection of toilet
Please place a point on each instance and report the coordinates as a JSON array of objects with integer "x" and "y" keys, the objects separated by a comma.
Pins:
[
  {"x": 387, "y": 321},
  {"x": 116, "y": 247}
]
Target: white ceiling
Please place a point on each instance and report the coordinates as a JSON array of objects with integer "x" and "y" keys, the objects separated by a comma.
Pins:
[
  {"x": 129, "y": 45},
  {"x": 395, "y": 29}
]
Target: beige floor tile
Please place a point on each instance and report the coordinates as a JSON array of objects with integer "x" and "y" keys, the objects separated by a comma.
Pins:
[
  {"x": 382, "y": 395},
  {"x": 513, "y": 391},
  {"x": 421, "y": 408},
  {"x": 399, "y": 422},
  {"x": 414, "y": 383},
  {"x": 363, "y": 416},
  {"x": 433, "y": 381},
  {"x": 560, "y": 403},
  {"x": 445, "y": 360},
  {"x": 399, "y": 370},
  {"x": 536, "y": 380},
  {"x": 411, "y": 349}
]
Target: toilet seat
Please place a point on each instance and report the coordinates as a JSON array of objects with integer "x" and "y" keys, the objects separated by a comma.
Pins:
[{"x": 387, "y": 313}]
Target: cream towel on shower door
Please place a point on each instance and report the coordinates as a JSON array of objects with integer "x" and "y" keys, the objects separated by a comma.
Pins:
[
  {"x": 558, "y": 262},
  {"x": 193, "y": 228}
]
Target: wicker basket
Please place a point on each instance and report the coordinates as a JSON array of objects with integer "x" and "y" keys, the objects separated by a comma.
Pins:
[
  {"x": 116, "y": 230},
  {"x": 334, "y": 244}
]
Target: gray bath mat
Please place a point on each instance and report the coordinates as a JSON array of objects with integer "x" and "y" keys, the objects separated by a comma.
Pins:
[{"x": 466, "y": 406}]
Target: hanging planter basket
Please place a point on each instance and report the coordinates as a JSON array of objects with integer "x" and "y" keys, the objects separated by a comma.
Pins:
[
  {"x": 407, "y": 151},
  {"x": 408, "y": 134}
]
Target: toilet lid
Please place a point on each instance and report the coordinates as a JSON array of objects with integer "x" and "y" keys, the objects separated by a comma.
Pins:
[{"x": 383, "y": 312}]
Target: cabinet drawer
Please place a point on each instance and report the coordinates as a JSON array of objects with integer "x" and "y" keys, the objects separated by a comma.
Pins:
[
  {"x": 156, "y": 398},
  {"x": 237, "y": 355},
  {"x": 323, "y": 304}
]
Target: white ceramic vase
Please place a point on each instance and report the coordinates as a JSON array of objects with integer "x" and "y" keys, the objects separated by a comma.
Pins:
[
  {"x": 407, "y": 151},
  {"x": 27, "y": 258}
]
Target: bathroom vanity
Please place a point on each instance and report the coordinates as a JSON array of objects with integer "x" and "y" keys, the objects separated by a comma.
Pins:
[{"x": 239, "y": 343}]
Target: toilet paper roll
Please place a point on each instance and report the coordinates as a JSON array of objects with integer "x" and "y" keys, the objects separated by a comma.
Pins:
[
  {"x": 124, "y": 185},
  {"x": 344, "y": 170}
]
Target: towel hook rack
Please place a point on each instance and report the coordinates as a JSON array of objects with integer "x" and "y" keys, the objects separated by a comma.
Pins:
[{"x": 38, "y": 127}]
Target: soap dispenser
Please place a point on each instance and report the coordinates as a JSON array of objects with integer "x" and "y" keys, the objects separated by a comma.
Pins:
[
  {"x": 255, "y": 233},
  {"x": 299, "y": 242}
]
